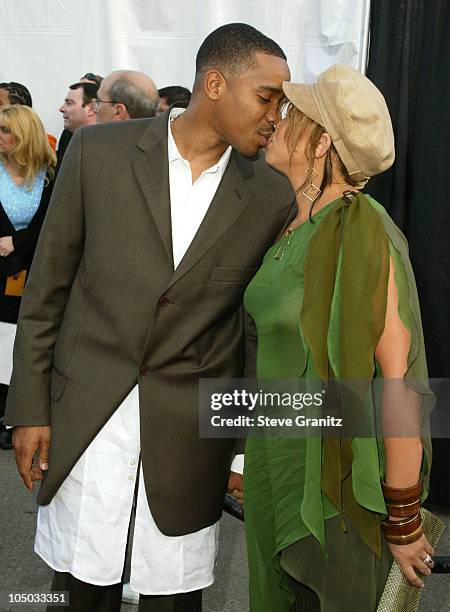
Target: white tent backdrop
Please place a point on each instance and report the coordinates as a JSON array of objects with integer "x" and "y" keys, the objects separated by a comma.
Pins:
[{"x": 49, "y": 44}]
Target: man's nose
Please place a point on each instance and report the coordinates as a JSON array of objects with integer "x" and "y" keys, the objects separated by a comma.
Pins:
[
  {"x": 274, "y": 114},
  {"x": 271, "y": 116}
]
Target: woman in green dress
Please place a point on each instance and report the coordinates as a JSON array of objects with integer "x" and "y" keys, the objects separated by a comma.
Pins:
[{"x": 336, "y": 298}]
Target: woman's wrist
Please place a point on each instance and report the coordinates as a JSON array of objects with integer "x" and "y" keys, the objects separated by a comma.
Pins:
[{"x": 404, "y": 524}]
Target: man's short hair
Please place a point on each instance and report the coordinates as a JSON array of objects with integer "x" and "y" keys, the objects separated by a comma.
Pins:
[
  {"x": 95, "y": 78},
  {"x": 175, "y": 94},
  {"x": 89, "y": 91},
  {"x": 139, "y": 104},
  {"x": 232, "y": 48},
  {"x": 17, "y": 93}
]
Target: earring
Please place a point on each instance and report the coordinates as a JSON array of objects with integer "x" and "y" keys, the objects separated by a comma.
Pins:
[{"x": 311, "y": 191}]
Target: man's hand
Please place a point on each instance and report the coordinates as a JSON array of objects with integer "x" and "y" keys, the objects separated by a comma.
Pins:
[
  {"x": 236, "y": 487},
  {"x": 26, "y": 442}
]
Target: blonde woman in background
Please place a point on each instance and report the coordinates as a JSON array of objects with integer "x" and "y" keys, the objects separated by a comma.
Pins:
[{"x": 27, "y": 163}]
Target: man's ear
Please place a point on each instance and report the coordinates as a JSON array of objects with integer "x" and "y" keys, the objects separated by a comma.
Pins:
[
  {"x": 214, "y": 83},
  {"x": 90, "y": 109},
  {"x": 323, "y": 146},
  {"x": 121, "y": 111}
]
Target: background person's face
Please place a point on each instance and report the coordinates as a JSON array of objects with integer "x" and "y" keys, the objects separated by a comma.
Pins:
[
  {"x": 7, "y": 140},
  {"x": 162, "y": 106},
  {"x": 73, "y": 111},
  {"x": 4, "y": 98},
  {"x": 250, "y": 104},
  {"x": 105, "y": 112}
]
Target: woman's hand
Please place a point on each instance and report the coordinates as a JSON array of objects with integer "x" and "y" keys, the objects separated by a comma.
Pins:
[
  {"x": 6, "y": 246},
  {"x": 411, "y": 556}
]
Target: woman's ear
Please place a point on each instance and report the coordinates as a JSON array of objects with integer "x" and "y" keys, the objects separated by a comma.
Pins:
[{"x": 324, "y": 146}]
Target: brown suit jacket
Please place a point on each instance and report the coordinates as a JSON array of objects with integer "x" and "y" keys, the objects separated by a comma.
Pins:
[{"x": 104, "y": 309}]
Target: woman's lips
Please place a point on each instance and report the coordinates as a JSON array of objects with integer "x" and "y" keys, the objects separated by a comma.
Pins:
[{"x": 264, "y": 138}]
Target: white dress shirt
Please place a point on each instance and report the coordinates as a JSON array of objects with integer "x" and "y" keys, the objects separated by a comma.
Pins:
[
  {"x": 7, "y": 335},
  {"x": 83, "y": 531},
  {"x": 189, "y": 202}
]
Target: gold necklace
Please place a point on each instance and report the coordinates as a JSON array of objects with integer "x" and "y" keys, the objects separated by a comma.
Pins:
[
  {"x": 283, "y": 244},
  {"x": 290, "y": 232}
]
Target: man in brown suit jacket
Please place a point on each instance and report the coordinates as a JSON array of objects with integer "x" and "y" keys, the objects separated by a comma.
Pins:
[{"x": 105, "y": 309}]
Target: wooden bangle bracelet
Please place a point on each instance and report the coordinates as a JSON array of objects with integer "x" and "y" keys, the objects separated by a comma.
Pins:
[
  {"x": 399, "y": 532},
  {"x": 402, "y": 540},
  {"x": 403, "y": 510},
  {"x": 393, "y": 495}
]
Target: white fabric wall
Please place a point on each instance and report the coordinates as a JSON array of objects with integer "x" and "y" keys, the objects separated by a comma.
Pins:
[{"x": 49, "y": 44}]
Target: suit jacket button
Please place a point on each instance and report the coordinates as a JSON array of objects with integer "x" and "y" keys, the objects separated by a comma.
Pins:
[
  {"x": 163, "y": 301},
  {"x": 144, "y": 370}
]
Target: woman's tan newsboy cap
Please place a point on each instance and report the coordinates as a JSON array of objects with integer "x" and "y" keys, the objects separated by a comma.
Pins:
[{"x": 354, "y": 113}]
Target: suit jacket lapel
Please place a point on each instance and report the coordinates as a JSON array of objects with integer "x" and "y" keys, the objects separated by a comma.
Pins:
[
  {"x": 151, "y": 168},
  {"x": 229, "y": 202}
]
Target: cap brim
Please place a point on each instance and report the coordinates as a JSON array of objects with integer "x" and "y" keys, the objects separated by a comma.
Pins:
[{"x": 302, "y": 97}]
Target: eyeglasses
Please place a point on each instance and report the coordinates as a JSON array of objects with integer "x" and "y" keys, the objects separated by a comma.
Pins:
[{"x": 96, "y": 102}]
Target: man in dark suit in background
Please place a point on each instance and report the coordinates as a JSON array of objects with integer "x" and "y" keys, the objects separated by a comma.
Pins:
[
  {"x": 78, "y": 111},
  {"x": 154, "y": 230},
  {"x": 171, "y": 95}
]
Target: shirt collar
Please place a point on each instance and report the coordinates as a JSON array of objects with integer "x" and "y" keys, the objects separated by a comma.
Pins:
[{"x": 174, "y": 154}]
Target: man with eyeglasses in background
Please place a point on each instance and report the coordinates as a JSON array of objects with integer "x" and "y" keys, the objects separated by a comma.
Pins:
[{"x": 126, "y": 94}]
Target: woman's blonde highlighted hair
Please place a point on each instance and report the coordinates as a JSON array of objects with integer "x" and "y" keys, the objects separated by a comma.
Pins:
[{"x": 31, "y": 151}]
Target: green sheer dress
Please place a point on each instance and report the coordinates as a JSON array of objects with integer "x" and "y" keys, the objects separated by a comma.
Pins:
[{"x": 285, "y": 507}]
